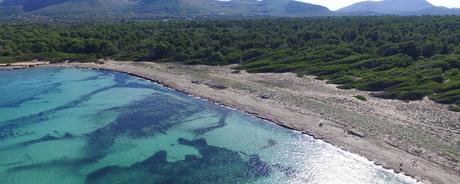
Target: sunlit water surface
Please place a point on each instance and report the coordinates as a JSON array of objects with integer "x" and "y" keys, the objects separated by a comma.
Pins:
[{"x": 68, "y": 126}]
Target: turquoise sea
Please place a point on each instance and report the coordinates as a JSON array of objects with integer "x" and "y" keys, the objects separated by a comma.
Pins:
[{"x": 73, "y": 126}]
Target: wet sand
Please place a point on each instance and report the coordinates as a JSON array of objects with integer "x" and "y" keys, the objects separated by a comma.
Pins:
[{"x": 420, "y": 139}]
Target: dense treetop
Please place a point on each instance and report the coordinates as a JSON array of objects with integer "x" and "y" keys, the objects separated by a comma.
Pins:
[{"x": 406, "y": 58}]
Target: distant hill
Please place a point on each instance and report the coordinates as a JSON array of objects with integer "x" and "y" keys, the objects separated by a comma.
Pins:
[
  {"x": 118, "y": 9},
  {"x": 67, "y": 6},
  {"x": 388, "y": 6},
  {"x": 396, "y": 7},
  {"x": 285, "y": 8},
  {"x": 437, "y": 11}
]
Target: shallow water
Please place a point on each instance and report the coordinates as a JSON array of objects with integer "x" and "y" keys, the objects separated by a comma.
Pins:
[{"x": 71, "y": 126}]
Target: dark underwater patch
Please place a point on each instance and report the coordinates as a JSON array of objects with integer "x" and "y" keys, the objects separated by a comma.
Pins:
[
  {"x": 120, "y": 78},
  {"x": 148, "y": 117},
  {"x": 7, "y": 127},
  {"x": 270, "y": 143},
  {"x": 44, "y": 89},
  {"x": 215, "y": 166},
  {"x": 70, "y": 163},
  {"x": 45, "y": 138},
  {"x": 48, "y": 138},
  {"x": 219, "y": 124},
  {"x": 96, "y": 77}
]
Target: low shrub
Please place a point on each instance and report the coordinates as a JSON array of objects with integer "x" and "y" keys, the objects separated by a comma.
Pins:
[
  {"x": 414, "y": 95},
  {"x": 454, "y": 108},
  {"x": 360, "y": 97}
]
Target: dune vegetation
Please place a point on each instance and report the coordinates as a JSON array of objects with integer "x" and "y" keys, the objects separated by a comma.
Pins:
[{"x": 405, "y": 58}]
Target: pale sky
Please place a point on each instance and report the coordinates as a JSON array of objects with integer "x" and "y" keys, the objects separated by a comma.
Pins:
[{"x": 337, "y": 4}]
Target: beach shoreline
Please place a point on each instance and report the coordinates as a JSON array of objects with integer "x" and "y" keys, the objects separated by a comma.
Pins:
[
  {"x": 324, "y": 112},
  {"x": 22, "y": 65}
]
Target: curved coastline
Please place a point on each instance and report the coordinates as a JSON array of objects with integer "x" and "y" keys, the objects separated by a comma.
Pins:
[
  {"x": 260, "y": 116},
  {"x": 358, "y": 147}
]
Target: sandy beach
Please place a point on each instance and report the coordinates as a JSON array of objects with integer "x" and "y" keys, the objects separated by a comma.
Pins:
[
  {"x": 21, "y": 65},
  {"x": 420, "y": 139}
]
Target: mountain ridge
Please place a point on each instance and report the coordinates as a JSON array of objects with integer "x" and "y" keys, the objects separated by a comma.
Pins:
[
  {"x": 119, "y": 9},
  {"x": 286, "y": 8},
  {"x": 397, "y": 7}
]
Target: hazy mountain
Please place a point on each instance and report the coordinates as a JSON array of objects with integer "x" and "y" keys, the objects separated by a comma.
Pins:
[
  {"x": 152, "y": 8},
  {"x": 436, "y": 11},
  {"x": 388, "y": 6},
  {"x": 67, "y": 6},
  {"x": 167, "y": 7}
]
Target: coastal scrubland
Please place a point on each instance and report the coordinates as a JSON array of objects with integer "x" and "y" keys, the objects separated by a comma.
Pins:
[{"x": 407, "y": 58}]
